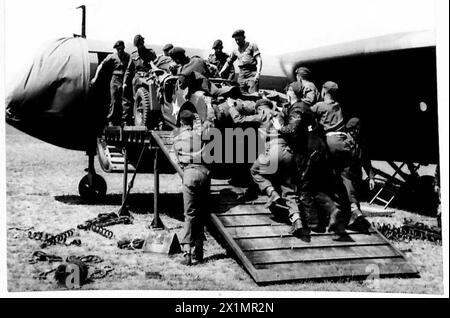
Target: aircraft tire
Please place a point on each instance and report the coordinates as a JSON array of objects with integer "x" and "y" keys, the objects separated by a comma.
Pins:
[
  {"x": 142, "y": 106},
  {"x": 92, "y": 190}
]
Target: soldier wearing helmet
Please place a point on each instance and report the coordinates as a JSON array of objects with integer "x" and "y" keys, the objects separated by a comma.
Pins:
[{"x": 140, "y": 61}]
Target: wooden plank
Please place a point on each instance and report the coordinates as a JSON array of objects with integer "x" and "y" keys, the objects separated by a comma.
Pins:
[
  {"x": 278, "y": 230},
  {"x": 359, "y": 270},
  {"x": 250, "y": 209},
  {"x": 232, "y": 243},
  {"x": 247, "y": 220},
  {"x": 295, "y": 243},
  {"x": 166, "y": 152},
  {"x": 291, "y": 266},
  {"x": 320, "y": 255}
]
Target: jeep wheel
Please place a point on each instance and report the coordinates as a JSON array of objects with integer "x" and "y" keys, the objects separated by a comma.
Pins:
[{"x": 142, "y": 107}]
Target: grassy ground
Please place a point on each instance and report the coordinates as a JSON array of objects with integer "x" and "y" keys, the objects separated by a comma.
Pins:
[{"x": 42, "y": 191}]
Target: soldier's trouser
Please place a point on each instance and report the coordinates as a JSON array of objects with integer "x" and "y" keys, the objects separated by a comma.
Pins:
[
  {"x": 317, "y": 186},
  {"x": 351, "y": 191},
  {"x": 128, "y": 103},
  {"x": 196, "y": 187},
  {"x": 331, "y": 209},
  {"x": 306, "y": 187},
  {"x": 340, "y": 145},
  {"x": 115, "y": 107},
  {"x": 276, "y": 168},
  {"x": 247, "y": 82}
]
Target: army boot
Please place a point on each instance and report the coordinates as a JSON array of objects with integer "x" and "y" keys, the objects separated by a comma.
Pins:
[
  {"x": 274, "y": 198},
  {"x": 197, "y": 254},
  {"x": 358, "y": 222},
  {"x": 299, "y": 231}
]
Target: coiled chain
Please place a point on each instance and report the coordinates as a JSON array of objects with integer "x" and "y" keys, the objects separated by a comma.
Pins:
[
  {"x": 102, "y": 231},
  {"x": 409, "y": 231},
  {"x": 50, "y": 239}
]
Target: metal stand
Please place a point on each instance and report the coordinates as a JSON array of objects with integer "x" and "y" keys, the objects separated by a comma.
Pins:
[
  {"x": 123, "y": 210},
  {"x": 156, "y": 223}
]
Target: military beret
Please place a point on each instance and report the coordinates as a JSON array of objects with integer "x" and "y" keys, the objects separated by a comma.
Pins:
[
  {"x": 263, "y": 102},
  {"x": 238, "y": 33},
  {"x": 187, "y": 116},
  {"x": 167, "y": 47},
  {"x": 217, "y": 43},
  {"x": 177, "y": 51},
  {"x": 331, "y": 87},
  {"x": 138, "y": 39},
  {"x": 353, "y": 123},
  {"x": 297, "y": 87},
  {"x": 118, "y": 44},
  {"x": 303, "y": 71}
]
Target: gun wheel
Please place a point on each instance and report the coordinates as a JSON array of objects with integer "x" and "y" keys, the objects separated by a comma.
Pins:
[{"x": 142, "y": 107}]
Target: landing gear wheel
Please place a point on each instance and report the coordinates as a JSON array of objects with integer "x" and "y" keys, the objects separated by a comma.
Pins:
[
  {"x": 92, "y": 187},
  {"x": 142, "y": 107}
]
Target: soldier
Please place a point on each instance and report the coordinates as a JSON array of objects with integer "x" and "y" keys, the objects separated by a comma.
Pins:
[
  {"x": 298, "y": 121},
  {"x": 330, "y": 117},
  {"x": 166, "y": 49},
  {"x": 189, "y": 64},
  {"x": 275, "y": 169},
  {"x": 140, "y": 62},
  {"x": 352, "y": 176},
  {"x": 164, "y": 61},
  {"x": 114, "y": 65},
  {"x": 219, "y": 58},
  {"x": 310, "y": 93},
  {"x": 196, "y": 186},
  {"x": 249, "y": 63}
]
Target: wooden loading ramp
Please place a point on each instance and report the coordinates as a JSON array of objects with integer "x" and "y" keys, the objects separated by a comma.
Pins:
[{"x": 271, "y": 255}]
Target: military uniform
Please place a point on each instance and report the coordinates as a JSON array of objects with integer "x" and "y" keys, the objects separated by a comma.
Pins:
[
  {"x": 195, "y": 64},
  {"x": 273, "y": 169},
  {"x": 340, "y": 144},
  {"x": 247, "y": 64},
  {"x": 219, "y": 61},
  {"x": 139, "y": 63},
  {"x": 115, "y": 66},
  {"x": 164, "y": 62},
  {"x": 196, "y": 185},
  {"x": 310, "y": 93}
]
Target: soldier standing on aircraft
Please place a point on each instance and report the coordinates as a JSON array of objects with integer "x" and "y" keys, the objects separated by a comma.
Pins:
[
  {"x": 249, "y": 63},
  {"x": 219, "y": 58},
  {"x": 140, "y": 62},
  {"x": 196, "y": 187},
  {"x": 115, "y": 65},
  {"x": 310, "y": 93}
]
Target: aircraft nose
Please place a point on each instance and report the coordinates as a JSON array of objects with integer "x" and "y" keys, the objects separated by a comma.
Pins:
[{"x": 52, "y": 101}]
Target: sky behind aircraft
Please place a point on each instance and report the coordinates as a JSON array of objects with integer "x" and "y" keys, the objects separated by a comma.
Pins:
[{"x": 276, "y": 26}]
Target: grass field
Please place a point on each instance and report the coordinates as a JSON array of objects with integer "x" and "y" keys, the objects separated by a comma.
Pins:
[{"x": 42, "y": 191}]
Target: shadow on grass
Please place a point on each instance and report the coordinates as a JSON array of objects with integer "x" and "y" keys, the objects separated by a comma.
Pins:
[{"x": 170, "y": 204}]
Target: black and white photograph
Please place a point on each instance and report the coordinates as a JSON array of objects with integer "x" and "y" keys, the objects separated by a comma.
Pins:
[{"x": 211, "y": 148}]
